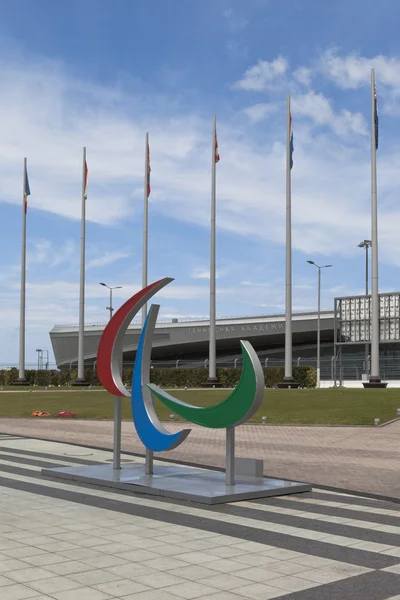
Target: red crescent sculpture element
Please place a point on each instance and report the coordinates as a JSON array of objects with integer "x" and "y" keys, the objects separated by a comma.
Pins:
[{"x": 109, "y": 353}]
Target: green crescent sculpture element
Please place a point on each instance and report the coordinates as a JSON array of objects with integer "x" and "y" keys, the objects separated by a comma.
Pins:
[{"x": 240, "y": 405}]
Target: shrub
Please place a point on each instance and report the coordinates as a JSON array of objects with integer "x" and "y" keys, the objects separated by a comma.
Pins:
[
  {"x": 43, "y": 378},
  {"x": 273, "y": 376},
  {"x": 167, "y": 378},
  {"x": 10, "y": 376},
  {"x": 228, "y": 377},
  {"x": 306, "y": 376},
  {"x": 127, "y": 375}
]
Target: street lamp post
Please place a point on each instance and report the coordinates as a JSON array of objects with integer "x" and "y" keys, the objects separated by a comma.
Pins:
[
  {"x": 311, "y": 262},
  {"x": 117, "y": 287},
  {"x": 366, "y": 244},
  {"x": 39, "y": 358},
  {"x": 117, "y": 399}
]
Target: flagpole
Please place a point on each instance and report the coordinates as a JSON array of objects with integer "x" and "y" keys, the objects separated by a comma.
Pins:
[
  {"x": 149, "y": 455},
  {"x": 145, "y": 223},
  {"x": 21, "y": 374},
  {"x": 81, "y": 355},
  {"x": 288, "y": 381},
  {"x": 212, "y": 367},
  {"x": 374, "y": 378},
  {"x": 288, "y": 287}
]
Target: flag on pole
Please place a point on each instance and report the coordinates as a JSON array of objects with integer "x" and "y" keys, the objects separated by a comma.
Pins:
[
  {"x": 148, "y": 171},
  {"x": 291, "y": 142},
  {"x": 27, "y": 191},
  {"x": 217, "y": 157},
  {"x": 376, "y": 123},
  {"x": 85, "y": 183}
]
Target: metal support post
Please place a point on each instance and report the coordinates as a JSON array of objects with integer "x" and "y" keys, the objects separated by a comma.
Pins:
[
  {"x": 230, "y": 456},
  {"x": 117, "y": 433},
  {"x": 149, "y": 462}
]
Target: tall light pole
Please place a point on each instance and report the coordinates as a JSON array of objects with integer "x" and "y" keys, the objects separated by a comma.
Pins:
[
  {"x": 366, "y": 244},
  {"x": 311, "y": 262},
  {"x": 117, "y": 287},
  {"x": 39, "y": 358}
]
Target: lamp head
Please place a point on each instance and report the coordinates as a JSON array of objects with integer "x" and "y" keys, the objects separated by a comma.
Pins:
[{"x": 311, "y": 262}]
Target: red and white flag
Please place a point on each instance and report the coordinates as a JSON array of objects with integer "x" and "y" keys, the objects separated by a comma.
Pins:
[{"x": 217, "y": 157}]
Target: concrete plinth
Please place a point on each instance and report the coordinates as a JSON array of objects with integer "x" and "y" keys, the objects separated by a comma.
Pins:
[
  {"x": 374, "y": 384},
  {"x": 180, "y": 482},
  {"x": 212, "y": 382},
  {"x": 81, "y": 383},
  {"x": 289, "y": 384},
  {"x": 374, "y": 381}
]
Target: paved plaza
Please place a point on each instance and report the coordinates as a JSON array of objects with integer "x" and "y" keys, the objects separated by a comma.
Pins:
[
  {"x": 364, "y": 459},
  {"x": 65, "y": 541}
]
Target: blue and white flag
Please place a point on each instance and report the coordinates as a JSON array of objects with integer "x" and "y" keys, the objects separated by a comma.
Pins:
[
  {"x": 27, "y": 191},
  {"x": 291, "y": 141},
  {"x": 376, "y": 122}
]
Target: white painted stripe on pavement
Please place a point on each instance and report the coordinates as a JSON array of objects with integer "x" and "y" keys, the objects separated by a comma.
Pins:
[
  {"x": 318, "y": 517},
  {"x": 243, "y": 521},
  {"x": 358, "y": 507}
]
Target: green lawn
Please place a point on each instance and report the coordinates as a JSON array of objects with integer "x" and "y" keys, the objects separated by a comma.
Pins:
[{"x": 326, "y": 406}]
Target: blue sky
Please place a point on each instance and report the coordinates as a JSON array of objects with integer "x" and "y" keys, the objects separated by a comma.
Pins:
[{"x": 101, "y": 74}]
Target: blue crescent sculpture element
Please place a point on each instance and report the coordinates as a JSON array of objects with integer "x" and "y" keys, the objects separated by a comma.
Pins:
[{"x": 149, "y": 429}]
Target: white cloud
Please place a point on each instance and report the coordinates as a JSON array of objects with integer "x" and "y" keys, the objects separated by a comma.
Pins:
[
  {"x": 264, "y": 75},
  {"x": 319, "y": 109},
  {"x": 39, "y": 253},
  {"x": 46, "y": 252},
  {"x": 315, "y": 106},
  {"x": 347, "y": 123},
  {"x": 236, "y": 50},
  {"x": 258, "y": 112},
  {"x": 250, "y": 177},
  {"x": 303, "y": 75},
  {"x": 200, "y": 274},
  {"x": 204, "y": 274},
  {"x": 40, "y": 103},
  {"x": 65, "y": 253},
  {"x": 107, "y": 258},
  {"x": 352, "y": 71},
  {"x": 235, "y": 23}
]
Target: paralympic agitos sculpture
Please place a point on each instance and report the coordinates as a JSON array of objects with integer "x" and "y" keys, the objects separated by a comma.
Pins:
[{"x": 240, "y": 405}]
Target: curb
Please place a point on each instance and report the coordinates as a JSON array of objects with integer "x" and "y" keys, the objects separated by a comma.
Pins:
[{"x": 390, "y": 422}]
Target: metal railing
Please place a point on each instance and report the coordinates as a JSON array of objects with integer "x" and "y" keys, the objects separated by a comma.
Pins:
[
  {"x": 199, "y": 319},
  {"x": 348, "y": 368},
  {"x": 49, "y": 366}
]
